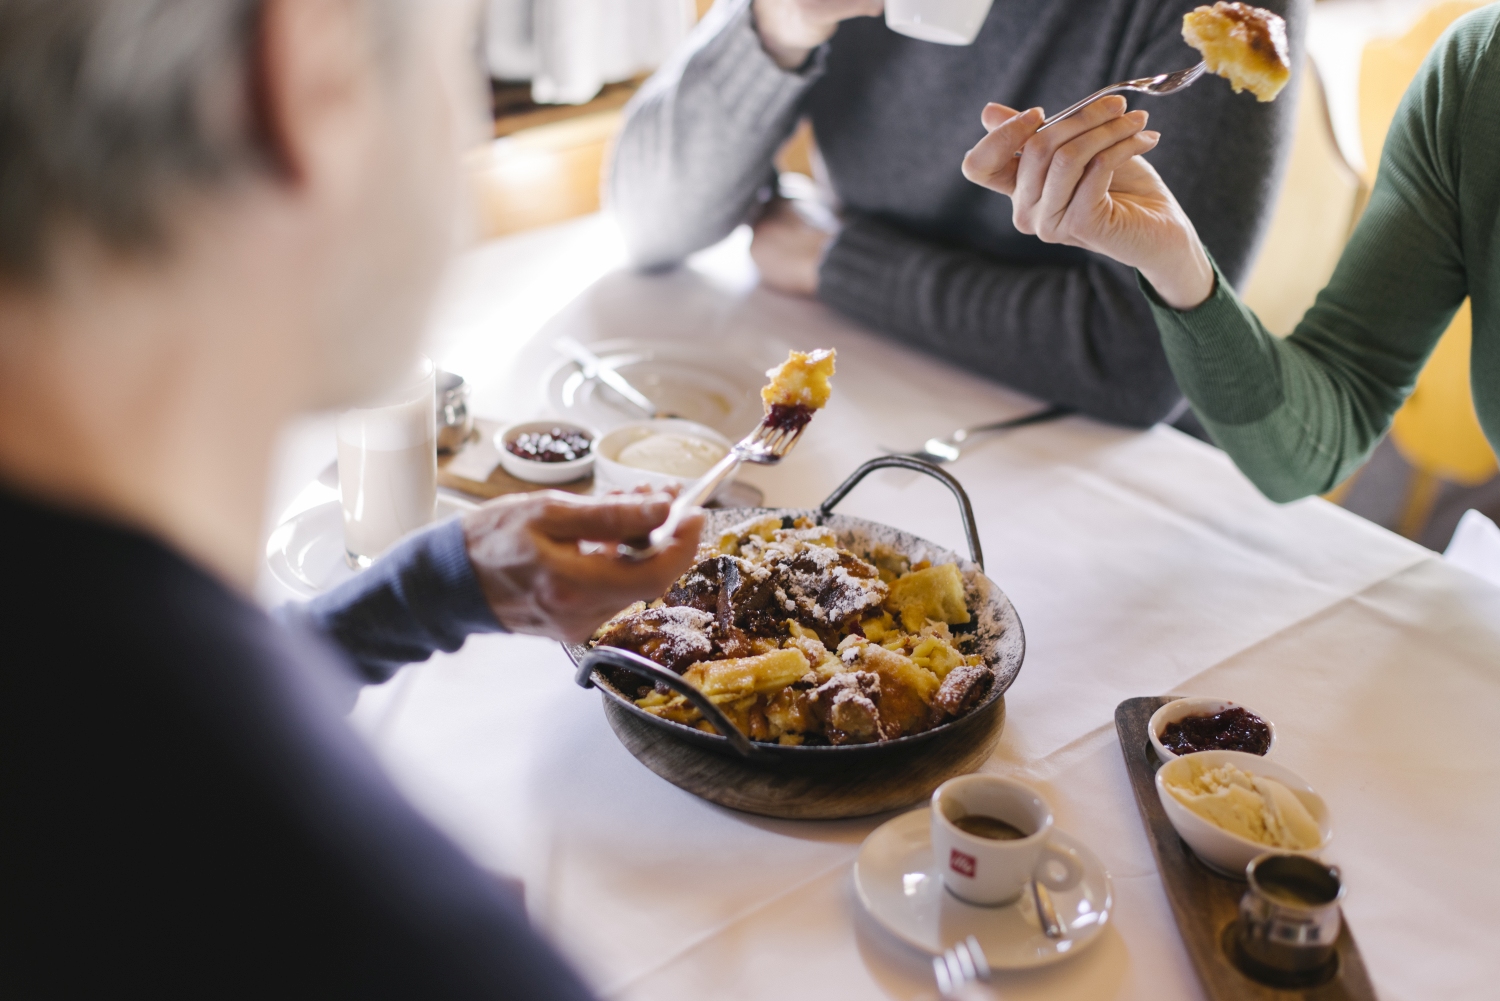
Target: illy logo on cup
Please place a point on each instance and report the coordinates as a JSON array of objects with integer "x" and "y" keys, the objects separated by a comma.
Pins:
[{"x": 961, "y": 863}]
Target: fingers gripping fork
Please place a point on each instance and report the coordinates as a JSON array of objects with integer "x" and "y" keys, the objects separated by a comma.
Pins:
[{"x": 767, "y": 445}]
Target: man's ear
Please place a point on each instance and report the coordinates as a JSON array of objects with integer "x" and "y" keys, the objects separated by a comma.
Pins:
[{"x": 314, "y": 85}]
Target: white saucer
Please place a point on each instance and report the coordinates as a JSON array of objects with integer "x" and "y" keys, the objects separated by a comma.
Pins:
[
  {"x": 701, "y": 382},
  {"x": 306, "y": 551},
  {"x": 902, "y": 887}
]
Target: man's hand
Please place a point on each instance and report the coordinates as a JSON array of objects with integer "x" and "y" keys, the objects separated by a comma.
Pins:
[
  {"x": 1083, "y": 182},
  {"x": 788, "y": 248},
  {"x": 791, "y": 29},
  {"x": 525, "y": 552}
]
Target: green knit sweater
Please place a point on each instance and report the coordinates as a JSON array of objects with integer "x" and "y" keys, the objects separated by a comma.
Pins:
[{"x": 1298, "y": 415}]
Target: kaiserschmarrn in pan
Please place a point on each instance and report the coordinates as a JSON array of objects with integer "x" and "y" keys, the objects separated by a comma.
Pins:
[{"x": 800, "y": 641}]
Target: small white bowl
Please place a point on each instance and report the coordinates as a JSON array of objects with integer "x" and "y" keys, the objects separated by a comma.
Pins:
[
  {"x": 548, "y": 473},
  {"x": 1219, "y": 849},
  {"x": 610, "y": 474},
  {"x": 1182, "y": 708}
]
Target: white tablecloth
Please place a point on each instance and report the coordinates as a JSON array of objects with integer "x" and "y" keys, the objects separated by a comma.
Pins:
[{"x": 1140, "y": 562}]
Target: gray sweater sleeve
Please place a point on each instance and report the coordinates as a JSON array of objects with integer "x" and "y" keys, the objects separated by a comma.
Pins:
[
  {"x": 699, "y": 138},
  {"x": 1081, "y": 333}
]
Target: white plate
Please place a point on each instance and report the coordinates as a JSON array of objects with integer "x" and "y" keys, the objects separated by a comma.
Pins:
[
  {"x": 698, "y": 382},
  {"x": 306, "y": 551},
  {"x": 902, "y": 887}
]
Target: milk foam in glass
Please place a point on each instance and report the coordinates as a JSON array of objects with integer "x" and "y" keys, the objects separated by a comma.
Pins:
[
  {"x": 947, "y": 22},
  {"x": 388, "y": 466}
]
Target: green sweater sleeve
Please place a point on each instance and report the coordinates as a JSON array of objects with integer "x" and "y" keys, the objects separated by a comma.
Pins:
[{"x": 1298, "y": 415}]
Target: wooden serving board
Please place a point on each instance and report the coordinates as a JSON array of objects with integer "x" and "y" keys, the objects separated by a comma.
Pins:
[
  {"x": 480, "y": 452},
  {"x": 776, "y": 792},
  {"x": 480, "y": 449},
  {"x": 1205, "y": 903}
]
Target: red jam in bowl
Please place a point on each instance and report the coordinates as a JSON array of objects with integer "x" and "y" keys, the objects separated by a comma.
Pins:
[
  {"x": 1233, "y": 729},
  {"x": 557, "y": 445}
]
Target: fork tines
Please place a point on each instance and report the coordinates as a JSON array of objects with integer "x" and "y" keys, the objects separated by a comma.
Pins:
[
  {"x": 770, "y": 442},
  {"x": 960, "y": 966}
]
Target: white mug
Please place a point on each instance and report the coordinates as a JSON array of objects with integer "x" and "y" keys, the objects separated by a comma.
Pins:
[
  {"x": 388, "y": 466},
  {"x": 947, "y": 22},
  {"x": 988, "y": 871}
]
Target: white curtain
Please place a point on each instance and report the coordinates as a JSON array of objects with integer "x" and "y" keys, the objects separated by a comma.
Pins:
[{"x": 569, "y": 49}]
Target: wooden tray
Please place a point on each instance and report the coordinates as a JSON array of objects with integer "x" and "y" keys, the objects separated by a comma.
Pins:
[
  {"x": 1205, "y": 903},
  {"x": 480, "y": 452},
  {"x": 480, "y": 448},
  {"x": 773, "y": 792}
]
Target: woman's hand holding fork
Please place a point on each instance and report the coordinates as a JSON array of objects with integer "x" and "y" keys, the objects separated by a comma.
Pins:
[{"x": 1083, "y": 182}]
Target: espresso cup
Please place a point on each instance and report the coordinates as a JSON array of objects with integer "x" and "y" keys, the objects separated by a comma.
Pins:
[
  {"x": 986, "y": 871},
  {"x": 947, "y": 22}
]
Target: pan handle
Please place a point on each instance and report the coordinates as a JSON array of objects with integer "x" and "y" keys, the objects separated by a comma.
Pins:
[
  {"x": 636, "y": 664},
  {"x": 966, "y": 509}
]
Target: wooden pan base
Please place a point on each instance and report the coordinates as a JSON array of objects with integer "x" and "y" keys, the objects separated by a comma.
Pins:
[{"x": 799, "y": 795}]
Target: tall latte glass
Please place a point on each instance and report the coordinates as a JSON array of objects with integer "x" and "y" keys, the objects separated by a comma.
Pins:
[{"x": 388, "y": 466}]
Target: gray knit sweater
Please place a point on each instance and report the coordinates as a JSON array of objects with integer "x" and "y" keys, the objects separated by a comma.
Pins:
[{"x": 925, "y": 256}]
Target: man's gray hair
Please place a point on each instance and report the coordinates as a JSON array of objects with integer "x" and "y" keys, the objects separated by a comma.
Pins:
[{"x": 109, "y": 106}]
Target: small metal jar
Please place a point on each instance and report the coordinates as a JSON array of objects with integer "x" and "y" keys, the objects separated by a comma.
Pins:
[
  {"x": 1289, "y": 917},
  {"x": 454, "y": 422}
]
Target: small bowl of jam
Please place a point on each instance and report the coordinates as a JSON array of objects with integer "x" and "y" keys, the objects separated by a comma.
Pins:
[
  {"x": 1186, "y": 726},
  {"x": 546, "y": 452}
]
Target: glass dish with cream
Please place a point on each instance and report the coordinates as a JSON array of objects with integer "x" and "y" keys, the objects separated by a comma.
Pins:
[{"x": 657, "y": 454}]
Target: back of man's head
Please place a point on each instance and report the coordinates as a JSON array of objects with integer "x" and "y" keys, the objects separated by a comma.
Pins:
[
  {"x": 115, "y": 114},
  {"x": 108, "y": 107},
  {"x": 213, "y": 214}
]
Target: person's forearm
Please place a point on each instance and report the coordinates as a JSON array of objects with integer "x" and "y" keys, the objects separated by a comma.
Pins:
[
  {"x": 419, "y": 598},
  {"x": 787, "y": 32},
  {"x": 1262, "y": 402},
  {"x": 1076, "y": 334},
  {"x": 698, "y": 141},
  {"x": 1299, "y": 415}
]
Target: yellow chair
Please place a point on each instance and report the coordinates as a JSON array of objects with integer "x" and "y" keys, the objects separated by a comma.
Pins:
[
  {"x": 1315, "y": 210},
  {"x": 1437, "y": 430}
]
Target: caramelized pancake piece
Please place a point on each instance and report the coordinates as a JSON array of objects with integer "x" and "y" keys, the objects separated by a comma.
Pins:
[
  {"x": 672, "y": 637},
  {"x": 935, "y": 593},
  {"x": 801, "y": 381},
  {"x": 823, "y": 587},
  {"x": 906, "y": 690},
  {"x": 798, "y": 388},
  {"x": 765, "y": 674},
  {"x": 790, "y": 712},
  {"x": 740, "y": 596},
  {"x": 846, "y": 706},
  {"x": 1243, "y": 44},
  {"x": 962, "y": 690}
]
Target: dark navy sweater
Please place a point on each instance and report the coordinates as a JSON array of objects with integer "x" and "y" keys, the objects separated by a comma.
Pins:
[{"x": 185, "y": 811}]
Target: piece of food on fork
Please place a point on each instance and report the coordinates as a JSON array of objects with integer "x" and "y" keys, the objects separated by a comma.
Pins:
[
  {"x": 1243, "y": 44},
  {"x": 798, "y": 387}
]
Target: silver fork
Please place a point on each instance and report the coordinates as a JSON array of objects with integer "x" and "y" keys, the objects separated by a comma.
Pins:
[
  {"x": 959, "y": 967},
  {"x": 941, "y": 450},
  {"x": 1158, "y": 86},
  {"x": 767, "y": 445}
]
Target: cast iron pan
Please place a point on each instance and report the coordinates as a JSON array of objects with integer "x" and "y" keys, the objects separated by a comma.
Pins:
[{"x": 1000, "y": 637}]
